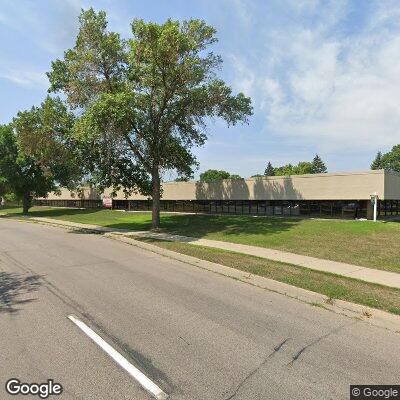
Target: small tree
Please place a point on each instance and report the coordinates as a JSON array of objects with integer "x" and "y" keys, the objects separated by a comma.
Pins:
[
  {"x": 22, "y": 175},
  {"x": 34, "y": 156},
  {"x": 389, "y": 161},
  {"x": 270, "y": 170},
  {"x": 287, "y": 169},
  {"x": 304, "y": 168},
  {"x": 214, "y": 175},
  {"x": 377, "y": 163},
  {"x": 318, "y": 166},
  {"x": 146, "y": 101}
]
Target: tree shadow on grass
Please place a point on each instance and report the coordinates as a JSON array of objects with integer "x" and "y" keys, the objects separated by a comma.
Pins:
[
  {"x": 53, "y": 212},
  {"x": 201, "y": 225},
  {"x": 228, "y": 225},
  {"x": 236, "y": 225},
  {"x": 198, "y": 226},
  {"x": 59, "y": 212},
  {"x": 12, "y": 286}
]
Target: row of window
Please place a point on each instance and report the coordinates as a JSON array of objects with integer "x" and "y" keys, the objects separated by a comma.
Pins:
[
  {"x": 252, "y": 207},
  {"x": 335, "y": 209},
  {"x": 70, "y": 203},
  {"x": 389, "y": 207}
]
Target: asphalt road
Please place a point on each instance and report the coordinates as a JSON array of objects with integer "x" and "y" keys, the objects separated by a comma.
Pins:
[{"x": 196, "y": 334}]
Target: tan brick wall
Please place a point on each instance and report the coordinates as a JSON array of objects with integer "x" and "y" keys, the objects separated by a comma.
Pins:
[
  {"x": 338, "y": 186},
  {"x": 392, "y": 185}
]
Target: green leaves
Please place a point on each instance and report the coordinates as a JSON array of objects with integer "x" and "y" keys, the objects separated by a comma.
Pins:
[
  {"x": 214, "y": 175},
  {"x": 95, "y": 65},
  {"x": 269, "y": 171},
  {"x": 317, "y": 166},
  {"x": 389, "y": 161},
  {"x": 18, "y": 171},
  {"x": 43, "y": 131},
  {"x": 145, "y": 102},
  {"x": 44, "y": 134},
  {"x": 377, "y": 163},
  {"x": 37, "y": 152}
]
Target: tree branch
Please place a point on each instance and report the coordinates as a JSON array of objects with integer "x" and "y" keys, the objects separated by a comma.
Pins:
[{"x": 138, "y": 154}]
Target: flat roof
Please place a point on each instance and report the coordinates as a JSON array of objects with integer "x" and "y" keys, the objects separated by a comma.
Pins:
[{"x": 330, "y": 186}]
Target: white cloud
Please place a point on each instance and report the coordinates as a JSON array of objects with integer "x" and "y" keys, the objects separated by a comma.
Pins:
[
  {"x": 245, "y": 76},
  {"x": 337, "y": 91},
  {"x": 25, "y": 78},
  {"x": 242, "y": 11},
  {"x": 48, "y": 24}
]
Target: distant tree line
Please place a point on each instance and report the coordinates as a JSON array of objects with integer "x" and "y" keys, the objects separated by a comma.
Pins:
[
  {"x": 316, "y": 166},
  {"x": 214, "y": 175}
]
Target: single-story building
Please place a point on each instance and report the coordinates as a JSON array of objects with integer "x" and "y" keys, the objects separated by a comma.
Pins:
[{"x": 339, "y": 195}]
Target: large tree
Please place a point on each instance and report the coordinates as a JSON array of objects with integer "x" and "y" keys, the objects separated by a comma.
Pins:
[
  {"x": 145, "y": 101},
  {"x": 35, "y": 156}
]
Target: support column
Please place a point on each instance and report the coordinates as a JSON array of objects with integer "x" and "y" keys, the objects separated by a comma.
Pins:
[{"x": 370, "y": 210}]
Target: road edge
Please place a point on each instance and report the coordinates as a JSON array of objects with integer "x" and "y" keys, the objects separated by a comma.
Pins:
[
  {"x": 369, "y": 315},
  {"x": 372, "y": 316}
]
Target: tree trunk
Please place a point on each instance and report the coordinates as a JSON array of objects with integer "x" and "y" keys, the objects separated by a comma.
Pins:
[
  {"x": 26, "y": 202},
  {"x": 155, "y": 223}
]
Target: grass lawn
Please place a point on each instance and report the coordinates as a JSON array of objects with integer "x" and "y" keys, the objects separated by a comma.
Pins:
[
  {"x": 9, "y": 209},
  {"x": 365, "y": 243},
  {"x": 333, "y": 286}
]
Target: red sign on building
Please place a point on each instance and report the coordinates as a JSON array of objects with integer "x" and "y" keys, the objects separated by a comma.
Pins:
[{"x": 107, "y": 202}]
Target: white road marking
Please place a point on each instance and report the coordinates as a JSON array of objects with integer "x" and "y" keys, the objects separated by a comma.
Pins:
[{"x": 149, "y": 385}]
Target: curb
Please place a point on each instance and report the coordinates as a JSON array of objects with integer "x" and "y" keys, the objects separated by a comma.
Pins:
[
  {"x": 372, "y": 316},
  {"x": 369, "y": 315},
  {"x": 365, "y": 274}
]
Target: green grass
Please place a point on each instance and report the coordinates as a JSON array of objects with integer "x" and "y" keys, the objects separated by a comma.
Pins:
[
  {"x": 333, "y": 286},
  {"x": 365, "y": 243},
  {"x": 12, "y": 209}
]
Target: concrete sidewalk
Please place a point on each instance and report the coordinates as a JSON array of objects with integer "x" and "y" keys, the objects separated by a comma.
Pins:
[
  {"x": 385, "y": 278},
  {"x": 353, "y": 271}
]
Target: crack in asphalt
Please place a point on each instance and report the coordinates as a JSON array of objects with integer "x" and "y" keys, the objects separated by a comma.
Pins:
[
  {"x": 296, "y": 356},
  {"x": 277, "y": 348},
  {"x": 180, "y": 337}
]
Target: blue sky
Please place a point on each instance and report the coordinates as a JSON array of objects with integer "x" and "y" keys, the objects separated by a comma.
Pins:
[{"x": 324, "y": 76}]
